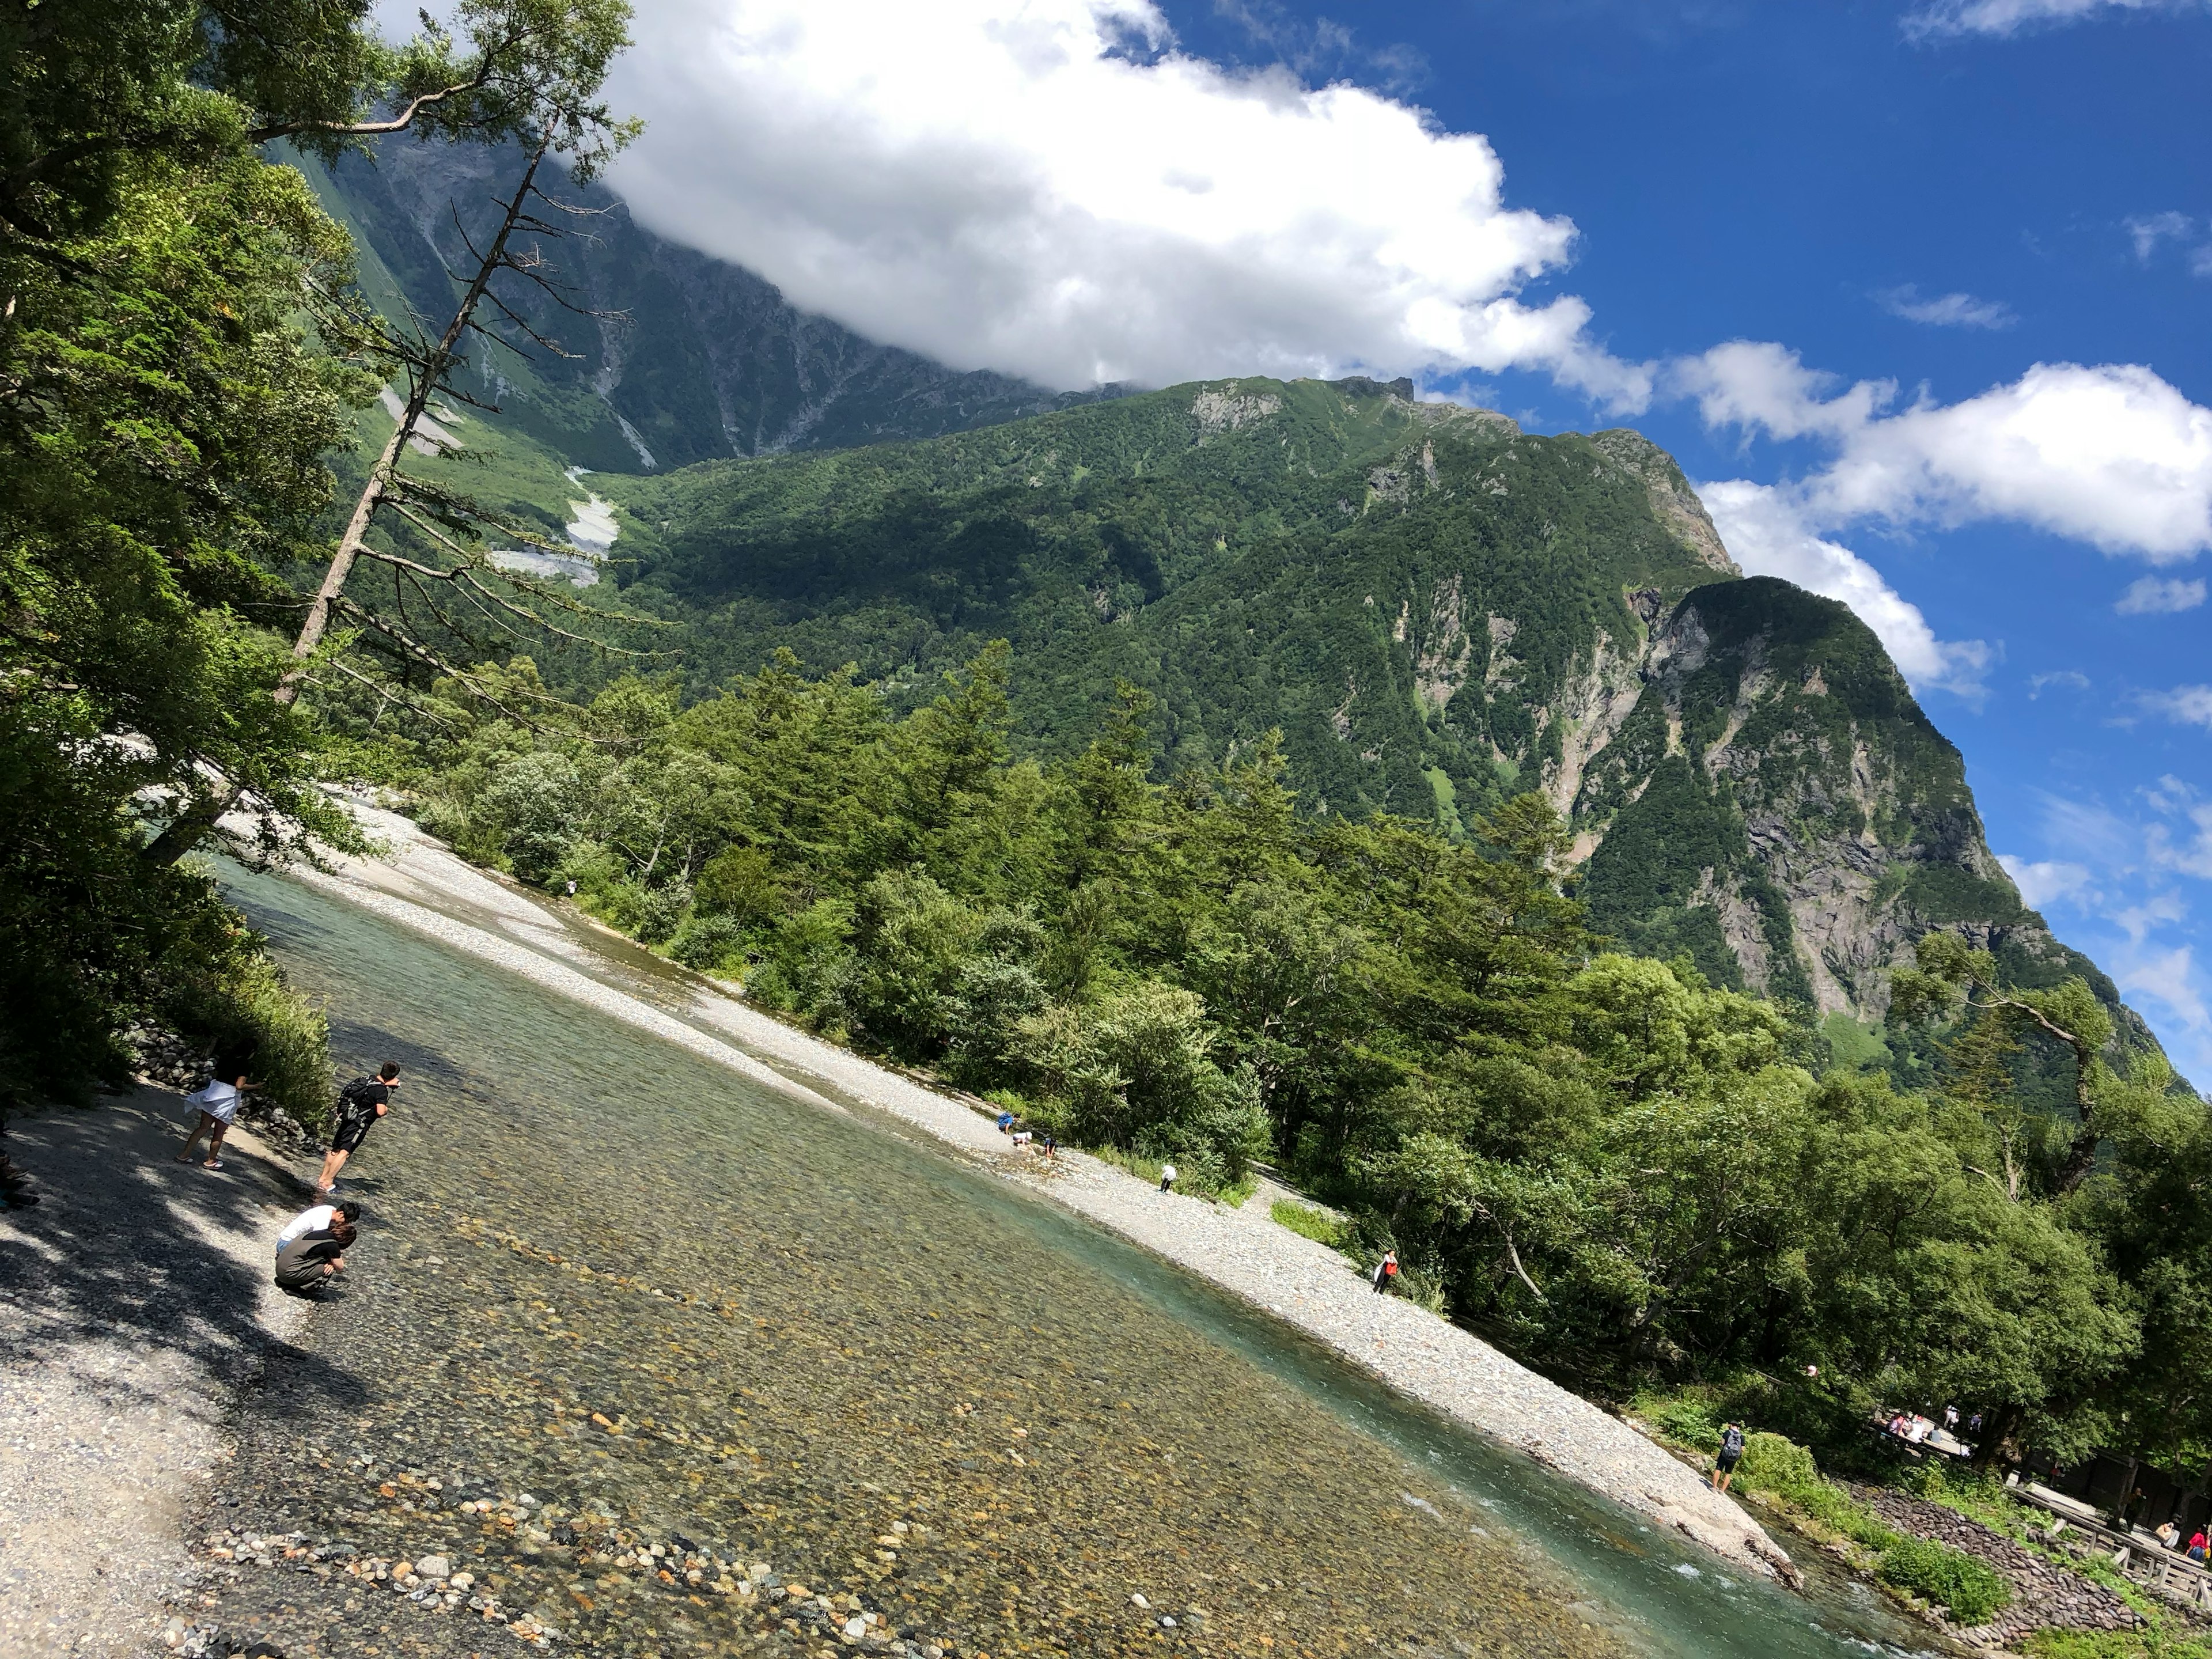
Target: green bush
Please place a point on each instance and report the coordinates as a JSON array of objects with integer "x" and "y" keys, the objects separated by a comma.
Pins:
[
  {"x": 1308, "y": 1222},
  {"x": 1951, "y": 1579},
  {"x": 1772, "y": 1463},
  {"x": 241, "y": 997},
  {"x": 1686, "y": 1417},
  {"x": 709, "y": 942}
]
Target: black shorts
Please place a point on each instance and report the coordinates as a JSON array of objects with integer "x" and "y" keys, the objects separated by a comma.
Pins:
[
  {"x": 1729, "y": 1461},
  {"x": 352, "y": 1132}
]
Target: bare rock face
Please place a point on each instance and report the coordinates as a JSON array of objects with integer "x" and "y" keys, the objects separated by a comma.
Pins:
[{"x": 1777, "y": 805}]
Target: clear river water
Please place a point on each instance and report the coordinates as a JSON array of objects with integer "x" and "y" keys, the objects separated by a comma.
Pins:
[{"x": 671, "y": 1305}]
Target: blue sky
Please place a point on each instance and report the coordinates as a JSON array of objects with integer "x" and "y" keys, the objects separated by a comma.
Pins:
[{"x": 1915, "y": 289}]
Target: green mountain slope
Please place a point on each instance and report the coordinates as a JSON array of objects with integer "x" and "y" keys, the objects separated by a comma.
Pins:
[{"x": 1437, "y": 608}]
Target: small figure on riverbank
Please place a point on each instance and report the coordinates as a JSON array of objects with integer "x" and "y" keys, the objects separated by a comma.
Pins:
[
  {"x": 1386, "y": 1274},
  {"x": 317, "y": 1218},
  {"x": 2168, "y": 1535},
  {"x": 360, "y": 1103},
  {"x": 1731, "y": 1454},
  {"x": 1169, "y": 1177},
  {"x": 2197, "y": 1545},
  {"x": 311, "y": 1262},
  {"x": 217, "y": 1101}
]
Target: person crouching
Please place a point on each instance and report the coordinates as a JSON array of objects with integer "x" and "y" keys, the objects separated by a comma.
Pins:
[{"x": 310, "y": 1263}]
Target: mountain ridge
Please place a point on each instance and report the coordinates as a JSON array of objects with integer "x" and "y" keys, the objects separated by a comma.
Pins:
[
  {"x": 1748, "y": 782},
  {"x": 1441, "y": 609}
]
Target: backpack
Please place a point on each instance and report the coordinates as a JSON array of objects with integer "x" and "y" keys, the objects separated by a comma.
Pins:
[{"x": 355, "y": 1100}]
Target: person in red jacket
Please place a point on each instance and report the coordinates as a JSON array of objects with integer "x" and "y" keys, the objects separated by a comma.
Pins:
[{"x": 1386, "y": 1274}]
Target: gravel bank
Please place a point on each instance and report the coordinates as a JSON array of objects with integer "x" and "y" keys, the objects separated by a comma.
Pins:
[
  {"x": 422, "y": 886},
  {"x": 134, "y": 1301}
]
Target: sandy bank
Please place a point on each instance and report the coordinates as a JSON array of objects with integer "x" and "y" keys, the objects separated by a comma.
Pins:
[
  {"x": 422, "y": 885},
  {"x": 135, "y": 1302}
]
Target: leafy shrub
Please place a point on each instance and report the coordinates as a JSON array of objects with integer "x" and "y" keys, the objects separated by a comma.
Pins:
[
  {"x": 1770, "y": 1463},
  {"x": 241, "y": 997},
  {"x": 1785, "y": 1470},
  {"x": 801, "y": 958},
  {"x": 528, "y": 809},
  {"x": 1687, "y": 1417},
  {"x": 709, "y": 942},
  {"x": 651, "y": 913},
  {"x": 739, "y": 883},
  {"x": 1135, "y": 1070},
  {"x": 1948, "y": 1577},
  {"x": 1308, "y": 1222}
]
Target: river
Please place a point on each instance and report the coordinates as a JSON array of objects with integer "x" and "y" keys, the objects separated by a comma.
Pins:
[{"x": 666, "y": 1301}]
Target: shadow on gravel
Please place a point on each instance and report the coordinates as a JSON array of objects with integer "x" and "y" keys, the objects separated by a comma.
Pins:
[{"x": 129, "y": 1245}]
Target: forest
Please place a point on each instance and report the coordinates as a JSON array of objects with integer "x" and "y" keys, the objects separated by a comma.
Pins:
[{"x": 1616, "y": 1168}]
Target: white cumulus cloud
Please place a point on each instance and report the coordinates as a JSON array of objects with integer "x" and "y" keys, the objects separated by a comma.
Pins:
[
  {"x": 2045, "y": 881},
  {"x": 2152, "y": 596},
  {"x": 2111, "y": 455},
  {"x": 1767, "y": 529},
  {"x": 1051, "y": 187},
  {"x": 2003, "y": 17}
]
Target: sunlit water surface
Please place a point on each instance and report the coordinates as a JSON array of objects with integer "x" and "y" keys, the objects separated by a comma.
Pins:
[{"x": 664, "y": 1300}]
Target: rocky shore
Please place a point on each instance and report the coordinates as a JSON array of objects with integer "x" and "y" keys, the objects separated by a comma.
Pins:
[
  {"x": 135, "y": 1303},
  {"x": 2045, "y": 1594},
  {"x": 421, "y": 884},
  {"x": 440, "y": 1585}
]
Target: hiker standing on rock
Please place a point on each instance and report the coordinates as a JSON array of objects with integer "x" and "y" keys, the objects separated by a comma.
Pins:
[
  {"x": 1386, "y": 1274},
  {"x": 218, "y": 1101},
  {"x": 360, "y": 1103},
  {"x": 1731, "y": 1454}
]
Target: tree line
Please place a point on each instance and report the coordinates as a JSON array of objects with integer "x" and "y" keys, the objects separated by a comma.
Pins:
[
  {"x": 182, "y": 352},
  {"x": 1622, "y": 1172}
]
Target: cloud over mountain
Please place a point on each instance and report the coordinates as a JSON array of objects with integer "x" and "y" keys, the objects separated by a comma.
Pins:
[{"x": 1054, "y": 189}]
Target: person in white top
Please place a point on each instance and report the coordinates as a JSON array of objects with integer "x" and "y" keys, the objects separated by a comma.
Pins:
[
  {"x": 1168, "y": 1176},
  {"x": 313, "y": 1220}
]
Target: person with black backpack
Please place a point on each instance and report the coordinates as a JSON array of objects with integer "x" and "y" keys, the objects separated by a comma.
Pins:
[
  {"x": 360, "y": 1103},
  {"x": 1731, "y": 1454}
]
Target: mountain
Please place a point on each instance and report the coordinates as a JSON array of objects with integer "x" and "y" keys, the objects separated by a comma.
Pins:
[
  {"x": 1436, "y": 608},
  {"x": 686, "y": 358}
]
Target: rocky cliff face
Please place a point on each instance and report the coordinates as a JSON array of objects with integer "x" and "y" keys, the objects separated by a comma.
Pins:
[{"x": 1776, "y": 804}]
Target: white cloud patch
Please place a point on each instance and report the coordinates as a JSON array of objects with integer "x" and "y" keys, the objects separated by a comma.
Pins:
[
  {"x": 1946, "y": 310},
  {"x": 2111, "y": 455},
  {"x": 2127, "y": 875},
  {"x": 1767, "y": 529},
  {"x": 2152, "y": 228},
  {"x": 2169, "y": 977},
  {"x": 1052, "y": 188},
  {"x": 2154, "y": 596},
  {"x": 2072, "y": 678},
  {"x": 2008, "y": 17},
  {"x": 2184, "y": 705},
  {"x": 2047, "y": 881}
]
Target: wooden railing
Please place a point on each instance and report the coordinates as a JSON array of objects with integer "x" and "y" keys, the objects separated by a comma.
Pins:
[{"x": 2154, "y": 1566}]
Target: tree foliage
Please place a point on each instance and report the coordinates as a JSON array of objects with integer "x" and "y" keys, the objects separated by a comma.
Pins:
[{"x": 1618, "y": 1168}]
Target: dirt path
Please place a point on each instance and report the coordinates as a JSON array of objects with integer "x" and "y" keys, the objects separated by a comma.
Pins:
[{"x": 135, "y": 1301}]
